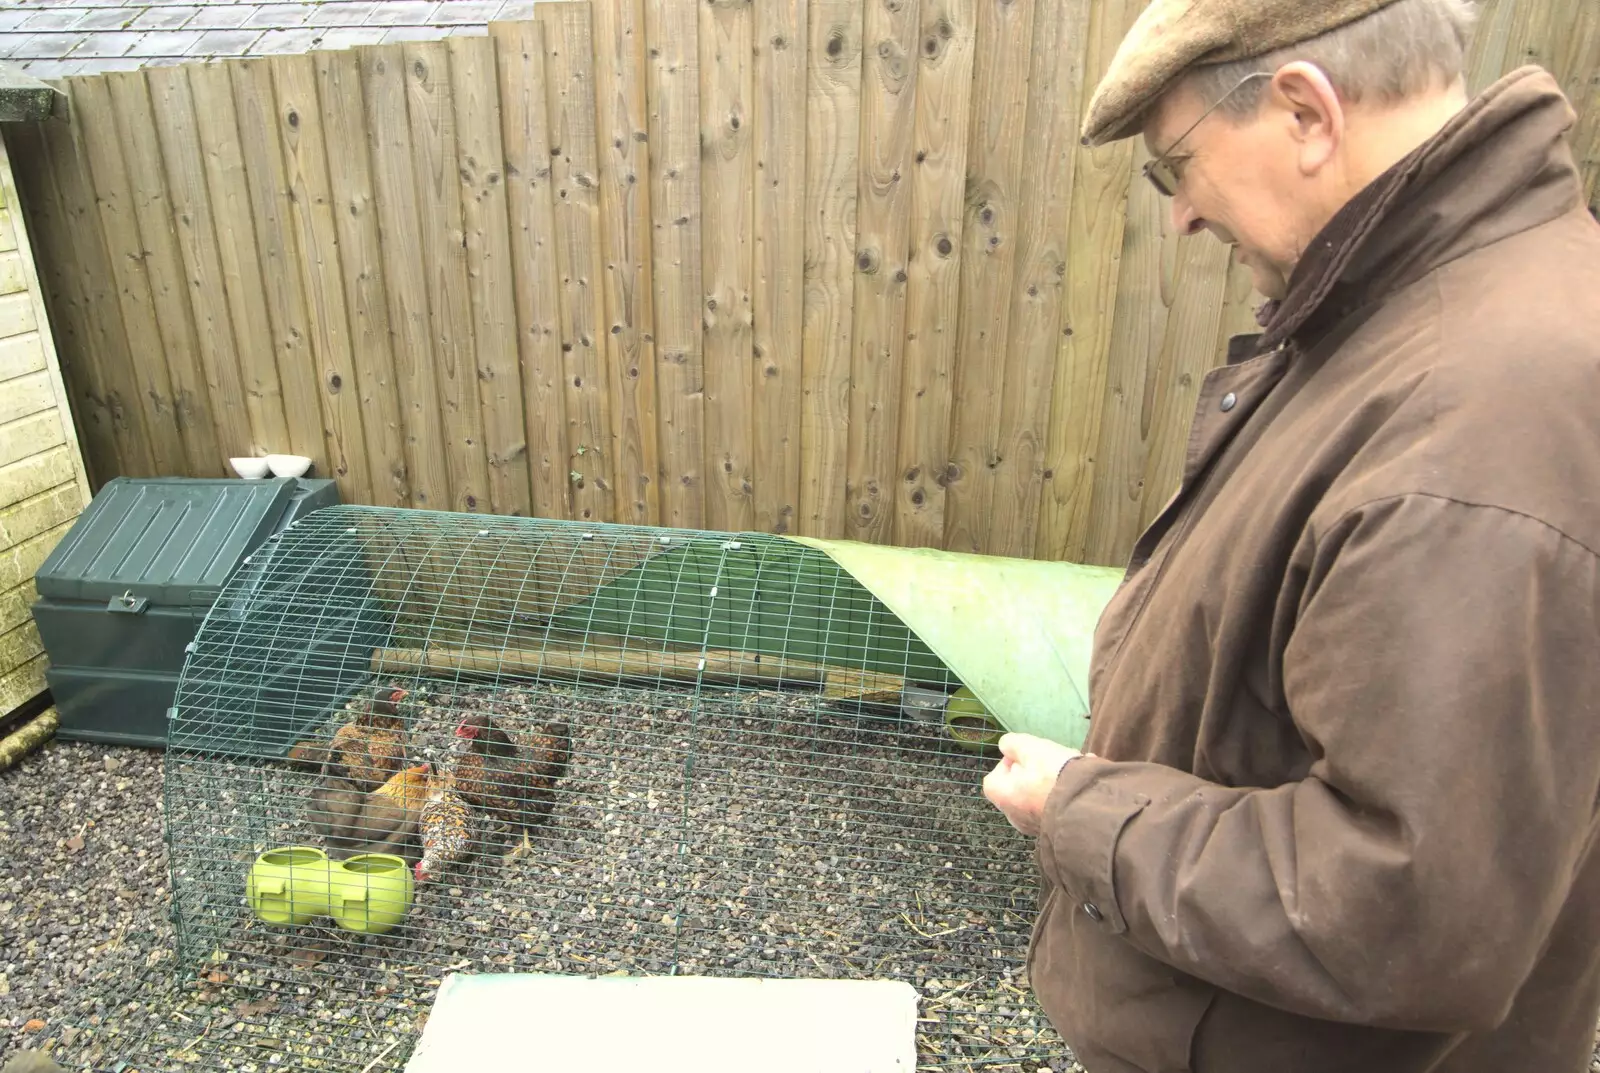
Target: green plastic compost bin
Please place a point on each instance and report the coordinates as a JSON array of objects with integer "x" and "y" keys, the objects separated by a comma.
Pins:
[{"x": 124, "y": 593}]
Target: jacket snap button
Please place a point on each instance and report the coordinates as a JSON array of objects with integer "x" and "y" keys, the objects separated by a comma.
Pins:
[
  {"x": 1228, "y": 401},
  {"x": 1092, "y": 910}
]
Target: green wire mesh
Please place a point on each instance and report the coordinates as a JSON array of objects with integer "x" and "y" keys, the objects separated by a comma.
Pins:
[{"x": 749, "y": 791}]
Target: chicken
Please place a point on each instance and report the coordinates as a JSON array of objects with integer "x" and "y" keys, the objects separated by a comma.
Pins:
[
  {"x": 334, "y": 811},
  {"x": 515, "y": 781},
  {"x": 447, "y": 829},
  {"x": 389, "y": 818},
  {"x": 372, "y": 746},
  {"x": 309, "y": 755}
]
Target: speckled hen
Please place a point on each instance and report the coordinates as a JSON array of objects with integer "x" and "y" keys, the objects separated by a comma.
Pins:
[
  {"x": 448, "y": 829},
  {"x": 514, "y": 780}
]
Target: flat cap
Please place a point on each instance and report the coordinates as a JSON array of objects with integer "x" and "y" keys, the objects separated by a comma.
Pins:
[{"x": 1171, "y": 36}]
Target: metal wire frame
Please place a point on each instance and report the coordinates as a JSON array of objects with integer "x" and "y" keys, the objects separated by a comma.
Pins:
[{"x": 746, "y": 793}]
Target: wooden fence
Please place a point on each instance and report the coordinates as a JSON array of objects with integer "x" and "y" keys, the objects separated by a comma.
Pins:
[{"x": 821, "y": 266}]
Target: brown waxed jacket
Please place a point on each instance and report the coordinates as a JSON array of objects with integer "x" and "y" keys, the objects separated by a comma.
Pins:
[{"x": 1346, "y": 704}]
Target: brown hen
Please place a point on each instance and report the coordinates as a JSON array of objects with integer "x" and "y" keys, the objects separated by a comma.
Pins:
[
  {"x": 391, "y": 813},
  {"x": 512, "y": 780},
  {"x": 372, "y": 746}
]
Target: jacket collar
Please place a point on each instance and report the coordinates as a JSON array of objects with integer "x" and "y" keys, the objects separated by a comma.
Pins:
[{"x": 1501, "y": 165}]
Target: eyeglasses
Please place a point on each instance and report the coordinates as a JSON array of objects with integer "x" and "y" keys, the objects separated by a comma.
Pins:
[{"x": 1159, "y": 170}]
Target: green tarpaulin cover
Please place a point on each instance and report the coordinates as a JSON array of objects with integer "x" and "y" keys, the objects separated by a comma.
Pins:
[{"x": 1017, "y": 632}]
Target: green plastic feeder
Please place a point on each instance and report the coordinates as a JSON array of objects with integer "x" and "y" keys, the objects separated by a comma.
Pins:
[
  {"x": 370, "y": 893},
  {"x": 289, "y": 885}
]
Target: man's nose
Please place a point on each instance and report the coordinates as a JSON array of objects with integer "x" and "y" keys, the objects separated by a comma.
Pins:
[{"x": 1184, "y": 219}]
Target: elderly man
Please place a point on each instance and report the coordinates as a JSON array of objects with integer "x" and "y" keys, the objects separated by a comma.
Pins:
[{"x": 1337, "y": 808}]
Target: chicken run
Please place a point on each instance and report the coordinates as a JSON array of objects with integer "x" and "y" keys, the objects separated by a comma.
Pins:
[{"x": 596, "y": 750}]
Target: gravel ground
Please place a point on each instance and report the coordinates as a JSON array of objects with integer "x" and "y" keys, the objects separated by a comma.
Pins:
[
  {"x": 784, "y": 870},
  {"x": 804, "y": 842},
  {"x": 83, "y": 887}
]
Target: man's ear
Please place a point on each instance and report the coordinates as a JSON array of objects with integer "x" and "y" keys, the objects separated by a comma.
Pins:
[{"x": 1304, "y": 100}]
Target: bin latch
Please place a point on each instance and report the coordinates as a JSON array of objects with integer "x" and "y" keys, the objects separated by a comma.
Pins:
[{"x": 128, "y": 603}]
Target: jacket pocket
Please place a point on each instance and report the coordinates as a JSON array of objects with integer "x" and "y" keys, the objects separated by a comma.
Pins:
[
  {"x": 1117, "y": 1008},
  {"x": 1052, "y": 894}
]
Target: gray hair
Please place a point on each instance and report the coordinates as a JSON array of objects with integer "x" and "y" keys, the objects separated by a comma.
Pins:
[{"x": 1398, "y": 51}]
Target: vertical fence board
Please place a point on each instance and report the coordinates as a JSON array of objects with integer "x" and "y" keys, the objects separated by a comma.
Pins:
[
  {"x": 1188, "y": 349},
  {"x": 228, "y": 191},
  {"x": 37, "y": 169},
  {"x": 163, "y": 266},
  {"x": 994, "y": 164},
  {"x": 491, "y": 282},
  {"x": 438, "y": 186},
  {"x": 726, "y": 91},
  {"x": 569, "y": 80},
  {"x": 933, "y": 292},
  {"x": 623, "y": 127},
  {"x": 888, "y": 118},
  {"x": 148, "y": 387},
  {"x": 1168, "y": 317},
  {"x": 1574, "y": 65},
  {"x": 672, "y": 38},
  {"x": 1094, "y": 238},
  {"x": 778, "y": 299},
  {"x": 106, "y": 368},
  {"x": 833, "y": 116},
  {"x": 178, "y": 131},
  {"x": 355, "y": 216},
  {"x": 1033, "y": 335},
  {"x": 1239, "y": 304},
  {"x": 300, "y": 132},
  {"x": 537, "y": 294},
  {"x": 1138, "y": 321},
  {"x": 280, "y": 274},
  {"x": 1487, "y": 58},
  {"x": 389, "y": 143},
  {"x": 1532, "y": 37}
]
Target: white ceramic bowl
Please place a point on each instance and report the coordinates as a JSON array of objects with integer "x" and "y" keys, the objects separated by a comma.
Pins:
[
  {"x": 249, "y": 468},
  {"x": 288, "y": 465}
]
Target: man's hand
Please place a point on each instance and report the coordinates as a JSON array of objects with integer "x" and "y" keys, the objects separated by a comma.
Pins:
[{"x": 1023, "y": 778}]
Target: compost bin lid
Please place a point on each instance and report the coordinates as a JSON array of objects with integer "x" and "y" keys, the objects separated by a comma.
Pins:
[{"x": 170, "y": 540}]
